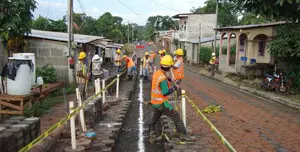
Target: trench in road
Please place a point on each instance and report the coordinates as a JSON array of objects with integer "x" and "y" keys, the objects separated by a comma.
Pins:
[{"x": 134, "y": 133}]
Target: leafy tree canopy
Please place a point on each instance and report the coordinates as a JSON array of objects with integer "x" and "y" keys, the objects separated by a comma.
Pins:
[
  {"x": 15, "y": 17},
  {"x": 288, "y": 10}
]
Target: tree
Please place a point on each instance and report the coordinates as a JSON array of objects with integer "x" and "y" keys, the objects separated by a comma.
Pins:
[
  {"x": 15, "y": 17},
  {"x": 156, "y": 23},
  {"x": 42, "y": 23},
  {"x": 227, "y": 14},
  {"x": 251, "y": 18},
  {"x": 288, "y": 10},
  {"x": 286, "y": 45}
]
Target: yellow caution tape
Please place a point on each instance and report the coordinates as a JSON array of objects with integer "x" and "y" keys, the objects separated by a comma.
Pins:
[
  {"x": 65, "y": 119},
  {"x": 213, "y": 128}
]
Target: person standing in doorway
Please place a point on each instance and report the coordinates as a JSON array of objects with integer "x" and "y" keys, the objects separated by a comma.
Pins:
[{"x": 118, "y": 60}]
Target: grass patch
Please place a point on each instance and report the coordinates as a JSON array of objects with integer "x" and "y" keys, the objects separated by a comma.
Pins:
[{"x": 55, "y": 97}]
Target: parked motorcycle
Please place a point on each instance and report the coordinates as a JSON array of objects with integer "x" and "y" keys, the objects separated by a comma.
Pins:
[{"x": 277, "y": 82}]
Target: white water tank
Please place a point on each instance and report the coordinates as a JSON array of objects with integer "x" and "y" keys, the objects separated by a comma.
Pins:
[
  {"x": 22, "y": 83},
  {"x": 30, "y": 56}
]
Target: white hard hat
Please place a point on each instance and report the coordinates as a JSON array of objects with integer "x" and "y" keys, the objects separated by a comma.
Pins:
[
  {"x": 96, "y": 57},
  {"x": 213, "y": 54}
]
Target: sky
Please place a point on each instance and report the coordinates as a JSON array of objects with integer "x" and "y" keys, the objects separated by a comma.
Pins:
[{"x": 132, "y": 11}]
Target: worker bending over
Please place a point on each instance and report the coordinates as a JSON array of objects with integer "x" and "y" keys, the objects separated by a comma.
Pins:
[
  {"x": 131, "y": 68},
  {"x": 160, "y": 91}
]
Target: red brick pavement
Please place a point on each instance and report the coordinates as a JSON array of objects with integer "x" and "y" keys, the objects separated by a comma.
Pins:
[{"x": 247, "y": 122}]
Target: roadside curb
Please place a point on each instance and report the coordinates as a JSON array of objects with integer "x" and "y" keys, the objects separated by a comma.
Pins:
[{"x": 266, "y": 96}]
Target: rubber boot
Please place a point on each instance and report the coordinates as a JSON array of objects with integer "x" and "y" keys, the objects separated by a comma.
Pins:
[
  {"x": 187, "y": 137},
  {"x": 152, "y": 137}
]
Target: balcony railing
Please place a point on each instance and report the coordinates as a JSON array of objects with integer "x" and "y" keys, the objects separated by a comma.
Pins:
[{"x": 175, "y": 34}]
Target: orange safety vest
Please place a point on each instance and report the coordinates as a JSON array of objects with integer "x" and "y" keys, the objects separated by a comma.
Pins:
[
  {"x": 144, "y": 62},
  {"x": 152, "y": 56},
  {"x": 179, "y": 72},
  {"x": 156, "y": 95},
  {"x": 130, "y": 62}
]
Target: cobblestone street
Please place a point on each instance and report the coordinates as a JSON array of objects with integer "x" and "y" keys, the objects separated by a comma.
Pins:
[{"x": 249, "y": 123}]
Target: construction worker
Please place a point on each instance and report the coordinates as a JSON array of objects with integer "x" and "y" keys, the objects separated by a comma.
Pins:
[
  {"x": 152, "y": 60},
  {"x": 131, "y": 68},
  {"x": 159, "y": 100},
  {"x": 174, "y": 56},
  {"x": 81, "y": 73},
  {"x": 118, "y": 60},
  {"x": 178, "y": 68},
  {"x": 146, "y": 65},
  {"x": 213, "y": 64}
]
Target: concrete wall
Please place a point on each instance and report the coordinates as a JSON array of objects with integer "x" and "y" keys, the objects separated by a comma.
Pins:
[
  {"x": 200, "y": 23},
  {"x": 50, "y": 52}
]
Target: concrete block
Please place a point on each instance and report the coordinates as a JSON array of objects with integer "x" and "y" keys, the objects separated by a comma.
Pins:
[
  {"x": 43, "y": 52},
  {"x": 56, "y": 52},
  {"x": 58, "y": 61},
  {"x": 2, "y": 129}
]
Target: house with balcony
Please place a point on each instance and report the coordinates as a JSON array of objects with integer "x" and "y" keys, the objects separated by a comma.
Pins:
[
  {"x": 251, "y": 56},
  {"x": 194, "y": 28}
]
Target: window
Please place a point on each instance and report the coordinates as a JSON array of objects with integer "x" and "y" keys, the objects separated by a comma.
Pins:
[{"x": 261, "y": 47}]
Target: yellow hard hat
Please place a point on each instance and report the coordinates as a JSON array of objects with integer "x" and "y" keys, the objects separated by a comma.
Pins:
[
  {"x": 159, "y": 52},
  {"x": 163, "y": 51},
  {"x": 179, "y": 52},
  {"x": 147, "y": 53},
  {"x": 124, "y": 56},
  {"x": 82, "y": 55},
  {"x": 166, "y": 61},
  {"x": 119, "y": 51}
]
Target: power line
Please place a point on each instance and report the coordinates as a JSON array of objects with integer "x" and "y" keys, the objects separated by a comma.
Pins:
[
  {"x": 164, "y": 6},
  {"x": 129, "y": 8}
]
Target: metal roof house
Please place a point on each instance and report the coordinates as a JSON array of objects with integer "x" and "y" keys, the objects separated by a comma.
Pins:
[{"x": 52, "y": 48}]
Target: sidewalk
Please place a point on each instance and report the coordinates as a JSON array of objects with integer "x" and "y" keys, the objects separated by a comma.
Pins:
[{"x": 269, "y": 96}]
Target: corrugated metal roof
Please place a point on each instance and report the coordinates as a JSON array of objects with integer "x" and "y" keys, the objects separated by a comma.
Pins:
[
  {"x": 250, "y": 26},
  {"x": 60, "y": 36}
]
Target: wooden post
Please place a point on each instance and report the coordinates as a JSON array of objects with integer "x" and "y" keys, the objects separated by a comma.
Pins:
[
  {"x": 81, "y": 113},
  {"x": 72, "y": 123},
  {"x": 183, "y": 108},
  {"x": 103, "y": 93},
  {"x": 118, "y": 85}
]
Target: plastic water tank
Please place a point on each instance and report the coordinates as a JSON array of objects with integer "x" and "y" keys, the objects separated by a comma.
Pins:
[
  {"x": 22, "y": 83},
  {"x": 30, "y": 56}
]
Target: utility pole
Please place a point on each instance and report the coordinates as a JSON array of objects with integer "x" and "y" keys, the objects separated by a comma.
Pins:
[
  {"x": 216, "y": 26},
  {"x": 132, "y": 33},
  {"x": 200, "y": 36},
  {"x": 70, "y": 22},
  {"x": 128, "y": 34}
]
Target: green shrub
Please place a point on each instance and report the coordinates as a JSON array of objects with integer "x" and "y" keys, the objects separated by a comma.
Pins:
[
  {"x": 205, "y": 54},
  {"x": 48, "y": 73}
]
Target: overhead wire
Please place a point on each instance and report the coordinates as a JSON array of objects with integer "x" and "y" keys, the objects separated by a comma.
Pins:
[{"x": 129, "y": 8}]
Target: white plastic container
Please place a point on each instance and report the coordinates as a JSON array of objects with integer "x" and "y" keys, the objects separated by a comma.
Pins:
[
  {"x": 22, "y": 83},
  {"x": 30, "y": 56}
]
